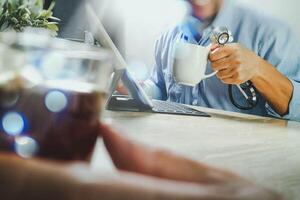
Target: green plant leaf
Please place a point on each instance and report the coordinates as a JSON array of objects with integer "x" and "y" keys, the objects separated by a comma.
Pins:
[
  {"x": 18, "y": 14},
  {"x": 52, "y": 5},
  {"x": 52, "y": 27}
]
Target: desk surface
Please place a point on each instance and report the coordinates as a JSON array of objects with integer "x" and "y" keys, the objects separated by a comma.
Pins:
[{"x": 263, "y": 150}]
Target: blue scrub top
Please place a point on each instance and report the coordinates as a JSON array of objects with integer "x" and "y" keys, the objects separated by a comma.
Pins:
[{"x": 269, "y": 38}]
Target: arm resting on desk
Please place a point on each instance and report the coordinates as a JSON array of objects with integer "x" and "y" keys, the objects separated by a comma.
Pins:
[
  {"x": 36, "y": 179},
  {"x": 214, "y": 183},
  {"x": 144, "y": 174}
]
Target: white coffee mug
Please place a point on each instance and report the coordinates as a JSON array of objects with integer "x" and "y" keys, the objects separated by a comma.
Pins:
[{"x": 189, "y": 63}]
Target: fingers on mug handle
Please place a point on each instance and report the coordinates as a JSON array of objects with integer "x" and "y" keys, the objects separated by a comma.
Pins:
[
  {"x": 213, "y": 47},
  {"x": 211, "y": 75}
]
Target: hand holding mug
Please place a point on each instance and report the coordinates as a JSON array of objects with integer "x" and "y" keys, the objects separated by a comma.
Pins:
[{"x": 235, "y": 64}]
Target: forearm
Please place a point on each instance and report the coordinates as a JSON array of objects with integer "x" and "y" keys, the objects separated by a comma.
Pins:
[
  {"x": 34, "y": 179},
  {"x": 274, "y": 86},
  {"x": 210, "y": 183},
  {"x": 236, "y": 64},
  {"x": 24, "y": 179}
]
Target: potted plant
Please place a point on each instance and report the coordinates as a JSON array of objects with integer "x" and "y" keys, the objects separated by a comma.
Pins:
[{"x": 20, "y": 14}]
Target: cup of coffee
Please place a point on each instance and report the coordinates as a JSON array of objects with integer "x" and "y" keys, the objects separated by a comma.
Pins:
[
  {"x": 189, "y": 63},
  {"x": 51, "y": 96}
]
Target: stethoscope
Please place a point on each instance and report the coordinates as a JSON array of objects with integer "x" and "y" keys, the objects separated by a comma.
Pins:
[{"x": 222, "y": 36}]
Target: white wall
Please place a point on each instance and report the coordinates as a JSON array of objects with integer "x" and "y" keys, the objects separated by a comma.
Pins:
[
  {"x": 145, "y": 20},
  {"x": 287, "y": 10}
]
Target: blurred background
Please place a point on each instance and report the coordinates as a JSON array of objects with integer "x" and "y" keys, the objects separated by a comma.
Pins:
[{"x": 135, "y": 25}]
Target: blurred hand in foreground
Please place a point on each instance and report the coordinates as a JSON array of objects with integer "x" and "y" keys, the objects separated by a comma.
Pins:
[
  {"x": 144, "y": 174},
  {"x": 214, "y": 183}
]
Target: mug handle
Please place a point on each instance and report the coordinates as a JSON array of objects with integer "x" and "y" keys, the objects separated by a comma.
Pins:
[
  {"x": 214, "y": 73},
  {"x": 210, "y": 75}
]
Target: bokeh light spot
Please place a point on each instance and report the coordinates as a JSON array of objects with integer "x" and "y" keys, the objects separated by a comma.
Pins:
[
  {"x": 56, "y": 101},
  {"x": 26, "y": 147},
  {"x": 13, "y": 123}
]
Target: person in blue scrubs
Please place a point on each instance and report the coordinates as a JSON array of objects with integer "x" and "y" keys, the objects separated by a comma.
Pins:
[{"x": 264, "y": 51}]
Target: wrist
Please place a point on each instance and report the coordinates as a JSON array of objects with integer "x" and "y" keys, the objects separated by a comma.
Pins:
[{"x": 259, "y": 73}]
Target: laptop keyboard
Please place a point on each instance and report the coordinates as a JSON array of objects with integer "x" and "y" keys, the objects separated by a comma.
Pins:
[{"x": 175, "y": 108}]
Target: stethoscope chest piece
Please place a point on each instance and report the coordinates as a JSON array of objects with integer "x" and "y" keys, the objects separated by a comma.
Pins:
[{"x": 220, "y": 35}]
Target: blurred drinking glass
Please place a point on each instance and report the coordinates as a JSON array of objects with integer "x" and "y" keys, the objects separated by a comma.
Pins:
[{"x": 51, "y": 96}]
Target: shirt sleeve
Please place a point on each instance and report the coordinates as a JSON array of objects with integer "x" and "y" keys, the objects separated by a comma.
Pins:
[
  {"x": 155, "y": 86},
  {"x": 281, "y": 49}
]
